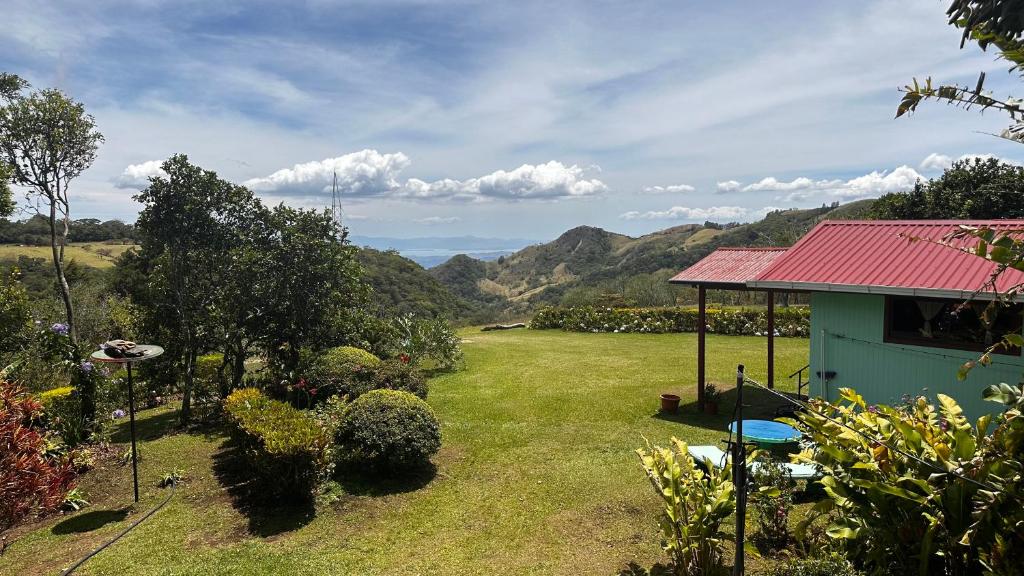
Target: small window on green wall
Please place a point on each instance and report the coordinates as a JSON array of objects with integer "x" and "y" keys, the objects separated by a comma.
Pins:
[{"x": 954, "y": 324}]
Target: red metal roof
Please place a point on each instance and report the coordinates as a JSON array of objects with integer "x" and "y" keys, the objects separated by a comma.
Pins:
[
  {"x": 878, "y": 256},
  {"x": 729, "y": 266}
]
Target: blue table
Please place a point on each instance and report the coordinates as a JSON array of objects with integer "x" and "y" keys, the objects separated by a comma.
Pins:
[{"x": 767, "y": 432}]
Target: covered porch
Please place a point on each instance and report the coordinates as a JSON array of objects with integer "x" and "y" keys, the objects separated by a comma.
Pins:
[{"x": 729, "y": 269}]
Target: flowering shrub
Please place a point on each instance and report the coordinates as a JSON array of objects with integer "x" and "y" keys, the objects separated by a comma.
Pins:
[
  {"x": 31, "y": 480},
  {"x": 388, "y": 430},
  {"x": 341, "y": 371},
  {"x": 285, "y": 448},
  {"x": 789, "y": 322}
]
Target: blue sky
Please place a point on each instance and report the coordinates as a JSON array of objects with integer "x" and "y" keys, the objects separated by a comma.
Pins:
[{"x": 513, "y": 119}]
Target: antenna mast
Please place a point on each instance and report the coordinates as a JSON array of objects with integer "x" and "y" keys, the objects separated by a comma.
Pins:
[{"x": 336, "y": 202}]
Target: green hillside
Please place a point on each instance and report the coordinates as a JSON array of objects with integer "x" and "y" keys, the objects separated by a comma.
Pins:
[
  {"x": 586, "y": 256},
  {"x": 404, "y": 286}
]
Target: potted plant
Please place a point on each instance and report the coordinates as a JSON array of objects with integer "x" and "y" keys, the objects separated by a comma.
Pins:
[
  {"x": 711, "y": 397},
  {"x": 669, "y": 403}
]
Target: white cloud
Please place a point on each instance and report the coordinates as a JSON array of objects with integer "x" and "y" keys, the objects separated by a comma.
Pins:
[
  {"x": 939, "y": 162},
  {"x": 935, "y": 161},
  {"x": 361, "y": 174},
  {"x": 771, "y": 184},
  {"x": 673, "y": 189},
  {"x": 369, "y": 173},
  {"x": 802, "y": 188},
  {"x": 431, "y": 220},
  {"x": 684, "y": 213},
  {"x": 136, "y": 176},
  {"x": 728, "y": 186}
]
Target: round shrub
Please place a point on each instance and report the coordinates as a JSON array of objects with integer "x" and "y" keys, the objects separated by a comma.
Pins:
[
  {"x": 398, "y": 374},
  {"x": 344, "y": 370},
  {"x": 389, "y": 429}
]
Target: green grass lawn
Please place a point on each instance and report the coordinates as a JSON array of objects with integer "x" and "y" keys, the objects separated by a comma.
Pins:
[
  {"x": 537, "y": 474},
  {"x": 93, "y": 254}
]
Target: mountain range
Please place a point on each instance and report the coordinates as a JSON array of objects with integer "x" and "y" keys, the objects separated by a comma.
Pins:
[{"x": 475, "y": 289}]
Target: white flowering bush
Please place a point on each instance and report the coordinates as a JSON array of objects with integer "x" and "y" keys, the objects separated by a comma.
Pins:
[{"x": 789, "y": 322}]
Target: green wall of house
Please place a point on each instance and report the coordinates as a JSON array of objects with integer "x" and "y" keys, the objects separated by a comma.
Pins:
[{"x": 847, "y": 338}]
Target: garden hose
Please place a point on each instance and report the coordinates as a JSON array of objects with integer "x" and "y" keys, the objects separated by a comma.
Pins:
[{"x": 76, "y": 565}]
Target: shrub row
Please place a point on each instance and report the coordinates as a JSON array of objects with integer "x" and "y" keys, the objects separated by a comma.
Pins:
[
  {"x": 790, "y": 321},
  {"x": 285, "y": 448}
]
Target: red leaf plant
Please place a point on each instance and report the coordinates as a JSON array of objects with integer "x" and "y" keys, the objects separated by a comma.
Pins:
[{"x": 31, "y": 482}]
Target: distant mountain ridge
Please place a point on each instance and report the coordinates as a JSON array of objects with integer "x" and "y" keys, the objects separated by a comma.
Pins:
[{"x": 542, "y": 273}]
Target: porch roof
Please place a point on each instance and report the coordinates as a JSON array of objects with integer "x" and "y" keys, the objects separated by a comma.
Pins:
[{"x": 729, "y": 267}]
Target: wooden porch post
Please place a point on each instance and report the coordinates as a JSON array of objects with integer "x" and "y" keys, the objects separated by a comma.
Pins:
[
  {"x": 701, "y": 328},
  {"x": 771, "y": 339}
]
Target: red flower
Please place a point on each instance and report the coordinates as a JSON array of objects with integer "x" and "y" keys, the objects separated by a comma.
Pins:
[
  {"x": 301, "y": 384},
  {"x": 312, "y": 391},
  {"x": 404, "y": 358}
]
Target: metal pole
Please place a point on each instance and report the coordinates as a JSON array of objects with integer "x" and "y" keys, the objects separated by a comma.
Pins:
[
  {"x": 771, "y": 339},
  {"x": 701, "y": 329},
  {"x": 131, "y": 416},
  {"x": 739, "y": 478}
]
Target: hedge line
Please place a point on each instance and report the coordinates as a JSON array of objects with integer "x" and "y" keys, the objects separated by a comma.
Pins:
[
  {"x": 790, "y": 321},
  {"x": 284, "y": 447}
]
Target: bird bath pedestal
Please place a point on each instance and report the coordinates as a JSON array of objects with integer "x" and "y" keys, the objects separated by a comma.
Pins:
[{"x": 148, "y": 351}]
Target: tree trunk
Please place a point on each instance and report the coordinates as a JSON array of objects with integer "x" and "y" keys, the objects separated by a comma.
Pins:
[
  {"x": 86, "y": 385},
  {"x": 190, "y": 374},
  {"x": 238, "y": 370},
  {"x": 58, "y": 267}
]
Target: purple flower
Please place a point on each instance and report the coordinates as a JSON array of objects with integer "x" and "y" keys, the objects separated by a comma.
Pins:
[
  {"x": 59, "y": 328},
  {"x": 873, "y": 409},
  {"x": 118, "y": 414},
  {"x": 86, "y": 366},
  {"x": 944, "y": 425}
]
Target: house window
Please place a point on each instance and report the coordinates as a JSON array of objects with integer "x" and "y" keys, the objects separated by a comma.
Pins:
[{"x": 949, "y": 323}]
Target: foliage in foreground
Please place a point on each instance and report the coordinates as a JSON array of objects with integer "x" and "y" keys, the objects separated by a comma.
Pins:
[
  {"x": 696, "y": 502},
  {"x": 285, "y": 448},
  {"x": 919, "y": 489},
  {"x": 31, "y": 481},
  {"x": 389, "y": 430},
  {"x": 795, "y": 322},
  {"x": 771, "y": 502},
  {"x": 813, "y": 567}
]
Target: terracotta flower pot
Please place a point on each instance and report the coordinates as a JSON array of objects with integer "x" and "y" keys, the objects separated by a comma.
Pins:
[
  {"x": 669, "y": 403},
  {"x": 711, "y": 407}
]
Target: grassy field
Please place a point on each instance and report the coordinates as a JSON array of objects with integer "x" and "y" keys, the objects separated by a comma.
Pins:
[
  {"x": 95, "y": 254},
  {"x": 536, "y": 476}
]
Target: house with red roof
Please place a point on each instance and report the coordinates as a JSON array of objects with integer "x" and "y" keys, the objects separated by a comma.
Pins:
[{"x": 894, "y": 312}]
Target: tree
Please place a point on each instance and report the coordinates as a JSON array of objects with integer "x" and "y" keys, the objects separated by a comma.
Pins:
[
  {"x": 998, "y": 23},
  {"x": 970, "y": 189},
  {"x": 6, "y": 196},
  {"x": 311, "y": 279},
  {"x": 47, "y": 140},
  {"x": 189, "y": 226}
]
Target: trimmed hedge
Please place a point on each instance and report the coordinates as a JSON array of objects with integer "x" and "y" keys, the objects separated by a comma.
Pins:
[
  {"x": 790, "y": 321},
  {"x": 285, "y": 448},
  {"x": 342, "y": 371},
  {"x": 388, "y": 430},
  {"x": 62, "y": 413}
]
